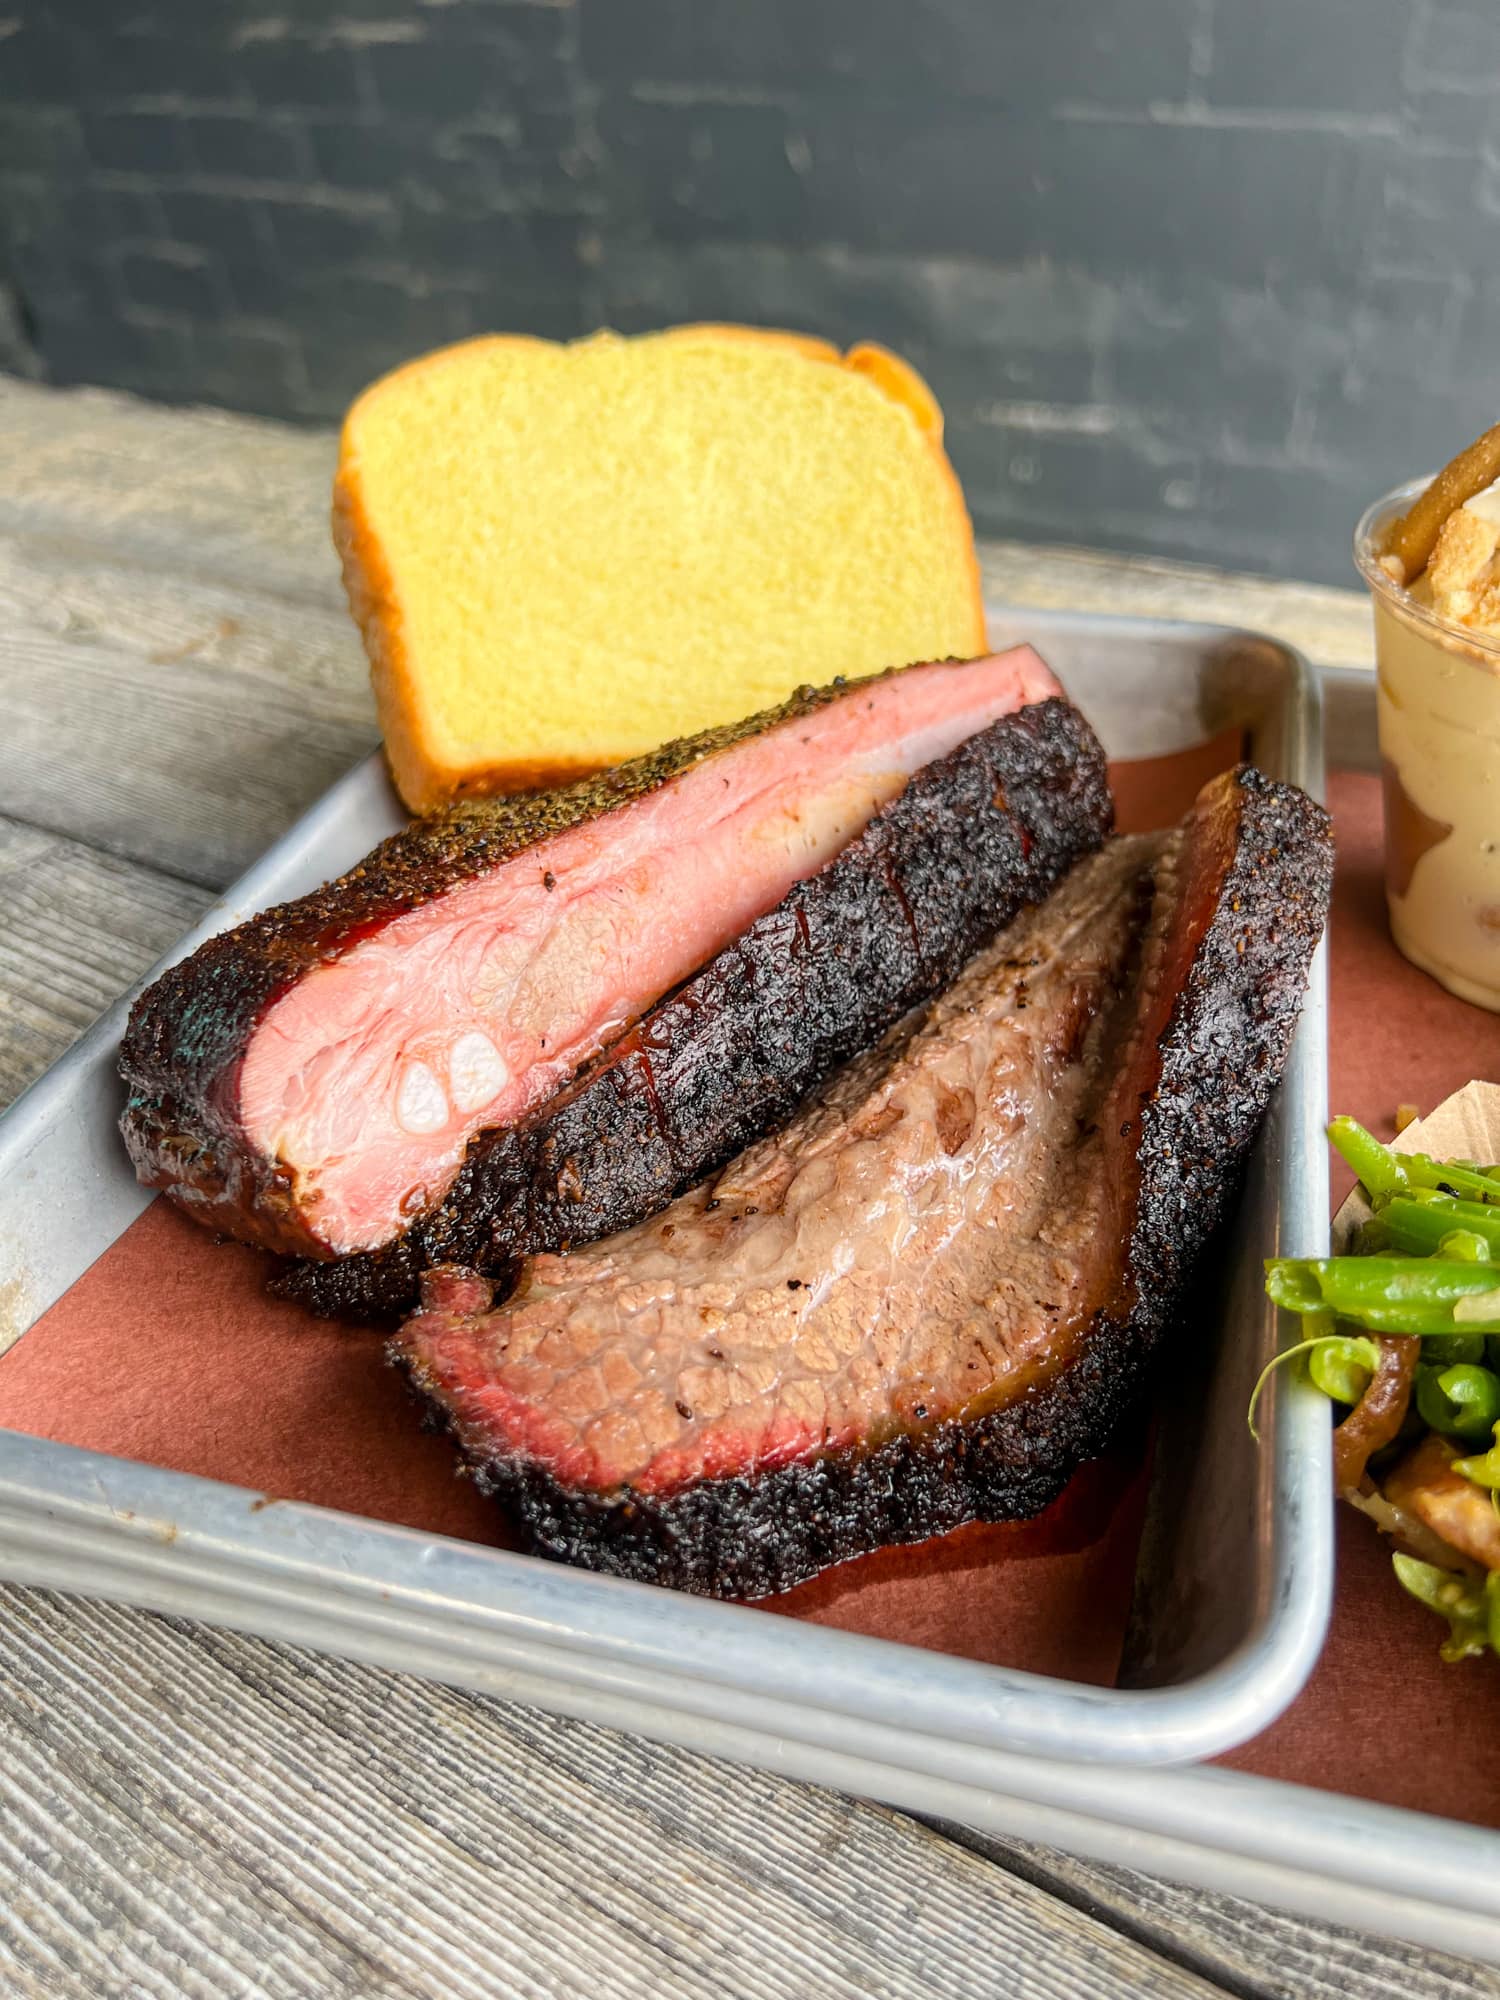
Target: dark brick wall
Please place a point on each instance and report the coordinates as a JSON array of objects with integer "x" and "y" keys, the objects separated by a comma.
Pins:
[{"x": 1195, "y": 276}]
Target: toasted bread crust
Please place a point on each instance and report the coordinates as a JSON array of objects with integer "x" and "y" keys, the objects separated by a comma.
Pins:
[{"x": 425, "y": 778}]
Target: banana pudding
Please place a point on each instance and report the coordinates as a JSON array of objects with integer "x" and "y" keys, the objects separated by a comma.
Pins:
[{"x": 1430, "y": 553}]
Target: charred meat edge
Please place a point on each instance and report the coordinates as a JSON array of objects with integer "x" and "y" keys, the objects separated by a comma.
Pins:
[
  {"x": 188, "y": 1031},
  {"x": 972, "y": 839},
  {"x": 1253, "y": 925}
]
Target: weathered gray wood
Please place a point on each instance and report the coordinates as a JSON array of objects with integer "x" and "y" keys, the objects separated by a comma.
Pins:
[
  {"x": 191, "y": 492},
  {"x": 209, "y": 494},
  {"x": 176, "y": 641},
  {"x": 1329, "y": 626},
  {"x": 184, "y": 1812},
  {"x": 213, "y": 1814},
  {"x": 87, "y": 592},
  {"x": 76, "y": 927},
  {"x": 1242, "y": 1946},
  {"x": 103, "y": 1720},
  {"x": 166, "y": 719}
]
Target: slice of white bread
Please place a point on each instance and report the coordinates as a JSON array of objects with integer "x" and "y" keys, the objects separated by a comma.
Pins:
[{"x": 561, "y": 556}]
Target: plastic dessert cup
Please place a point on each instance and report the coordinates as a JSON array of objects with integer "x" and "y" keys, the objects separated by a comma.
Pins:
[{"x": 1438, "y": 709}]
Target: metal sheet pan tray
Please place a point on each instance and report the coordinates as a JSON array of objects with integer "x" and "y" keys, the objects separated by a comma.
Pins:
[
  {"x": 1232, "y": 1590},
  {"x": 1232, "y": 1593}
]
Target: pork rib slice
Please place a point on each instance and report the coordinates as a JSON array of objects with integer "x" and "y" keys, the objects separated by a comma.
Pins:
[
  {"x": 972, "y": 839},
  {"x": 309, "y": 1080},
  {"x": 933, "y": 1294}
]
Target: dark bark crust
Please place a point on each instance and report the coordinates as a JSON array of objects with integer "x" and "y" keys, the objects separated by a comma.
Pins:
[
  {"x": 188, "y": 1033},
  {"x": 1220, "y": 1056},
  {"x": 972, "y": 839}
]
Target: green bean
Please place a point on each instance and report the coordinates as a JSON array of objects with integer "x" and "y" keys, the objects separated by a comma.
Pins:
[
  {"x": 1378, "y": 1169},
  {"x": 1467, "y": 1606},
  {"x": 1492, "y": 1608},
  {"x": 1390, "y": 1294},
  {"x": 1342, "y": 1368},
  {"x": 1447, "y": 1177},
  {"x": 1375, "y": 1240},
  {"x": 1465, "y": 1246},
  {"x": 1451, "y": 1350},
  {"x": 1428, "y": 1399},
  {"x": 1422, "y": 1223},
  {"x": 1385, "y": 1174},
  {"x": 1461, "y": 1402},
  {"x": 1484, "y": 1468},
  {"x": 1293, "y": 1283}
]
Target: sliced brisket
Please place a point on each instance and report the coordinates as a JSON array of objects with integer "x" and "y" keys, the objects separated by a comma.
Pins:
[
  {"x": 972, "y": 839},
  {"x": 309, "y": 1080},
  {"x": 933, "y": 1294}
]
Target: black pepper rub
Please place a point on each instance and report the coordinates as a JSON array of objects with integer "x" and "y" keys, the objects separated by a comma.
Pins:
[
  {"x": 888, "y": 923},
  {"x": 1215, "y": 1064}
]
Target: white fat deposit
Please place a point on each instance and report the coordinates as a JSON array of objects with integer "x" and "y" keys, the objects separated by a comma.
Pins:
[
  {"x": 476, "y": 1071},
  {"x": 420, "y": 1103}
]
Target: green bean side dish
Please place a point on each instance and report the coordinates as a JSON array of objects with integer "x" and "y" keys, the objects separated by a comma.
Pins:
[{"x": 1404, "y": 1335}]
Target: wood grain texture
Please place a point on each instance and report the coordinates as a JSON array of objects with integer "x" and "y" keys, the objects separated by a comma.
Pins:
[
  {"x": 209, "y": 494},
  {"x": 1241, "y": 1946},
  {"x": 1332, "y": 627},
  {"x": 76, "y": 928},
  {"x": 184, "y": 1812},
  {"x": 193, "y": 493},
  {"x": 205, "y": 1813},
  {"x": 165, "y": 719},
  {"x": 161, "y": 1819}
]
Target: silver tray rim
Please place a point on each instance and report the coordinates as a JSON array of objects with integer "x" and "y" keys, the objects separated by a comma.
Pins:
[{"x": 483, "y": 1616}]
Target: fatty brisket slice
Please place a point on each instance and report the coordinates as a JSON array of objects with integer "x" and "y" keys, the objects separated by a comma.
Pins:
[
  {"x": 972, "y": 839},
  {"x": 934, "y": 1293},
  {"x": 309, "y": 1080}
]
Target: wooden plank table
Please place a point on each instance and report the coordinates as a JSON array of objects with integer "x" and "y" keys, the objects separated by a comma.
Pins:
[{"x": 183, "y": 1811}]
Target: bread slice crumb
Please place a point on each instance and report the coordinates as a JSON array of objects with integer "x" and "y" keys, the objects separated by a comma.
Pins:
[{"x": 563, "y": 555}]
